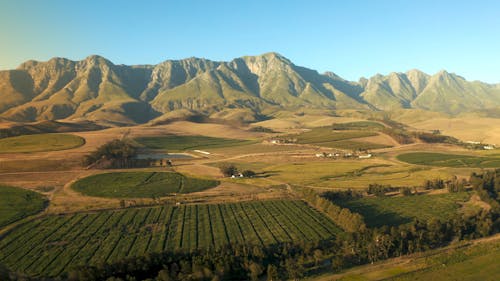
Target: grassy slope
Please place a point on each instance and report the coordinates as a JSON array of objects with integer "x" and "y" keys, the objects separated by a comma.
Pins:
[
  {"x": 17, "y": 203},
  {"x": 42, "y": 142},
  {"x": 464, "y": 261},
  {"x": 379, "y": 211},
  {"x": 140, "y": 184}
]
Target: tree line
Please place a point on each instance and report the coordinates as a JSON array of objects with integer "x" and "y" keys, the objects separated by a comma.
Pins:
[{"x": 343, "y": 217}]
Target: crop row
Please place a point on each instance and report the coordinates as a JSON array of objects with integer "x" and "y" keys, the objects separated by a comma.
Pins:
[{"x": 54, "y": 244}]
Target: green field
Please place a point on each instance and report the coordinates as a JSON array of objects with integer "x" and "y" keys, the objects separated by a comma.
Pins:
[
  {"x": 17, "y": 203},
  {"x": 467, "y": 262},
  {"x": 449, "y": 160},
  {"x": 379, "y": 211},
  {"x": 41, "y": 142},
  {"x": 325, "y": 136},
  {"x": 140, "y": 184},
  {"x": 180, "y": 143},
  {"x": 62, "y": 242},
  {"x": 473, "y": 263}
]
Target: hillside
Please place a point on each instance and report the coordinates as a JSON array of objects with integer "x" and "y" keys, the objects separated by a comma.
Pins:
[{"x": 246, "y": 89}]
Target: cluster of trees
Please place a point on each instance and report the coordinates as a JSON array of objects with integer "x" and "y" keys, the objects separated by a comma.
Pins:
[
  {"x": 229, "y": 170},
  {"x": 343, "y": 217},
  {"x": 114, "y": 154},
  {"x": 487, "y": 186},
  {"x": 399, "y": 135},
  {"x": 261, "y": 129},
  {"x": 453, "y": 185},
  {"x": 240, "y": 262},
  {"x": 434, "y": 184},
  {"x": 341, "y": 195},
  {"x": 456, "y": 185},
  {"x": 385, "y": 242},
  {"x": 380, "y": 190},
  {"x": 434, "y": 137}
]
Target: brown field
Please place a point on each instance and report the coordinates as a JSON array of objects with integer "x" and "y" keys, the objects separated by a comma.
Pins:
[{"x": 485, "y": 130}]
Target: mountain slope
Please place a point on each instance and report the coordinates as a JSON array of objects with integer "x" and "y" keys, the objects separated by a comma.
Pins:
[
  {"x": 452, "y": 94},
  {"x": 245, "y": 88}
]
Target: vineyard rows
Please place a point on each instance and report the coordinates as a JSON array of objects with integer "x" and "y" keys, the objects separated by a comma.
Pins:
[{"x": 62, "y": 242}]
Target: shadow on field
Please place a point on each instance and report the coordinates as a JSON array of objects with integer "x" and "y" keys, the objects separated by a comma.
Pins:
[
  {"x": 374, "y": 217},
  {"x": 266, "y": 174}
]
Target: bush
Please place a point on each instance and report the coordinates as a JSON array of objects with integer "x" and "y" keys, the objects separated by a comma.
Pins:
[
  {"x": 228, "y": 170},
  {"x": 261, "y": 129},
  {"x": 406, "y": 191},
  {"x": 248, "y": 173}
]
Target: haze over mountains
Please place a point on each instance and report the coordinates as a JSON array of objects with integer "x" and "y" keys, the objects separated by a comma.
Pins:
[{"x": 244, "y": 89}]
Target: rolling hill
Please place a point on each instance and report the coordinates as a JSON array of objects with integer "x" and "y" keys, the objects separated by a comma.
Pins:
[{"x": 246, "y": 89}]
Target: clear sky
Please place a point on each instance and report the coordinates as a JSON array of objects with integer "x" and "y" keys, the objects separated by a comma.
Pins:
[{"x": 351, "y": 38}]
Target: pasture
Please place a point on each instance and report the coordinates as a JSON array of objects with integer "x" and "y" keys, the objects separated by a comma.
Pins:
[
  {"x": 39, "y": 143},
  {"x": 65, "y": 241},
  {"x": 17, "y": 203},
  {"x": 392, "y": 211},
  {"x": 302, "y": 173},
  {"x": 140, "y": 184},
  {"x": 449, "y": 160},
  {"x": 479, "y": 262},
  {"x": 182, "y": 143},
  {"x": 326, "y": 174},
  {"x": 385, "y": 174}
]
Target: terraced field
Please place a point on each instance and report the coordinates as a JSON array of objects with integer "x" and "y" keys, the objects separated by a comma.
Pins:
[
  {"x": 181, "y": 143},
  {"x": 140, "y": 184},
  {"x": 450, "y": 160},
  {"x": 66, "y": 241},
  {"x": 379, "y": 211}
]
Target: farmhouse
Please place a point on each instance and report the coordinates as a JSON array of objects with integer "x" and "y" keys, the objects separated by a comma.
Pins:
[{"x": 239, "y": 175}]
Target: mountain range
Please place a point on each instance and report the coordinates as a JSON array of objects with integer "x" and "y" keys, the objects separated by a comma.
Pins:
[{"x": 245, "y": 89}]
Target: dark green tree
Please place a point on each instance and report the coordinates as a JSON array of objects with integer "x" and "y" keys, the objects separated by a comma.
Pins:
[{"x": 229, "y": 170}]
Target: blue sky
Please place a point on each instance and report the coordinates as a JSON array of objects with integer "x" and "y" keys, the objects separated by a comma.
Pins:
[{"x": 350, "y": 38}]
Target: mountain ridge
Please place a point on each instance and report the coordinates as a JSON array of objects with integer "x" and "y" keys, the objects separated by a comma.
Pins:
[{"x": 95, "y": 89}]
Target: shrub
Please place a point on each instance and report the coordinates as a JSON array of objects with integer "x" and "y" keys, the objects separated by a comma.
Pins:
[
  {"x": 228, "y": 170},
  {"x": 248, "y": 173}
]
